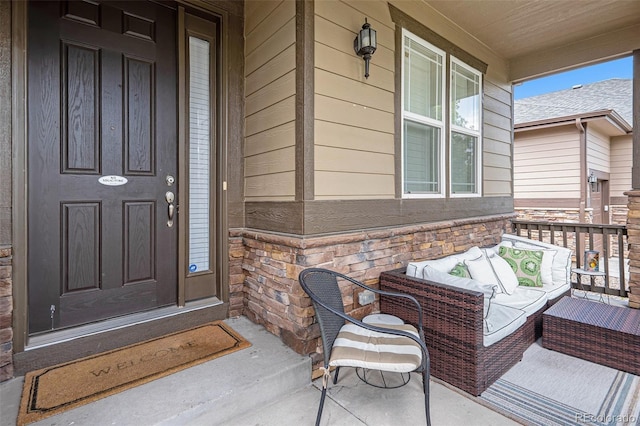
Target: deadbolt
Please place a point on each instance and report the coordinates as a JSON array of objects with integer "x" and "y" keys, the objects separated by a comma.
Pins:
[{"x": 170, "y": 180}]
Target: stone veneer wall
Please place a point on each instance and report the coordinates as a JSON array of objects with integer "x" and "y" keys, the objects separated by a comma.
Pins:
[
  {"x": 274, "y": 298},
  {"x": 618, "y": 214},
  {"x": 6, "y": 311},
  {"x": 236, "y": 274},
  {"x": 549, "y": 215},
  {"x": 633, "y": 237}
]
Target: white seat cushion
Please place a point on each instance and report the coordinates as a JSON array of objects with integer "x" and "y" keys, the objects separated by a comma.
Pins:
[
  {"x": 554, "y": 291},
  {"x": 358, "y": 347},
  {"x": 501, "y": 322},
  {"x": 527, "y": 299}
]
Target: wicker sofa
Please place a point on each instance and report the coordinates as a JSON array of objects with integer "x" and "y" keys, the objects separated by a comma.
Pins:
[{"x": 454, "y": 323}]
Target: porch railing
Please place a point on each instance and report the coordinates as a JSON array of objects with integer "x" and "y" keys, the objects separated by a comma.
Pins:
[{"x": 609, "y": 240}]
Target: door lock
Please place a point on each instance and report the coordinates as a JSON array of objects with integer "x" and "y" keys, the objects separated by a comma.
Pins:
[
  {"x": 170, "y": 197},
  {"x": 170, "y": 180}
]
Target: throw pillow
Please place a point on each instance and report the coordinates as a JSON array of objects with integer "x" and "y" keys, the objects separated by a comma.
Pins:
[
  {"x": 460, "y": 270},
  {"x": 481, "y": 270},
  {"x": 525, "y": 263},
  {"x": 506, "y": 277}
]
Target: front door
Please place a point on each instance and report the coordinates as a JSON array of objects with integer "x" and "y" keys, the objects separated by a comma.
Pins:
[{"x": 102, "y": 160}]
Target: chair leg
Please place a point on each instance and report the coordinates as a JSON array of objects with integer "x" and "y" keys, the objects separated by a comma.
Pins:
[
  {"x": 324, "y": 394},
  {"x": 335, "y": 376},
  {"x": 425, "y": 385}
]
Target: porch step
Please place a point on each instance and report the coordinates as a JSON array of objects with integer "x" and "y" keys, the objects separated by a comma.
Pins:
[
  {"x": 213, "y": 393},
  {"x": 245, "y": 380}
]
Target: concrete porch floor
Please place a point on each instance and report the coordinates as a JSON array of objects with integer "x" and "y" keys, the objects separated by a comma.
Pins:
[{"x": 266, "y": 384}]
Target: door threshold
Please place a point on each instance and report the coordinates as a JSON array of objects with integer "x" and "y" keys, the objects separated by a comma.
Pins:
[{"x": 61, "y": 336}]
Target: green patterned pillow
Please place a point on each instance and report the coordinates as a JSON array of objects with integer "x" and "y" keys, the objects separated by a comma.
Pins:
[
  {"x": 460, "y": 270},
  {"x": 525, "y": 263}
]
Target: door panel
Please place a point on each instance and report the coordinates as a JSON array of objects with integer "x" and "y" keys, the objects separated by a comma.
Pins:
[{"x": 102, "y": 102}]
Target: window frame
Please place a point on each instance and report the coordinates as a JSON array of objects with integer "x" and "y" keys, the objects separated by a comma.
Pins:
[
  {"x": 447, "y": 128},
  {"x": 463, "y": 130},
  {"x": 424, "y": 120}
]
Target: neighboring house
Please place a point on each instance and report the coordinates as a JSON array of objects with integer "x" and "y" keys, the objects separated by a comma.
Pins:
[
  {"x": 573, "y": 153},
  {"x": 173, "y": 163}
]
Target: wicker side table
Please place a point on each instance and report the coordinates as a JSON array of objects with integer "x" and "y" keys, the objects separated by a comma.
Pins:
[{"x": 600, "y": 333}]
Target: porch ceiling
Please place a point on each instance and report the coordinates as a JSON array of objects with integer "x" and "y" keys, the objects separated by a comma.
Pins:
[{"x": 539, "y": 37}]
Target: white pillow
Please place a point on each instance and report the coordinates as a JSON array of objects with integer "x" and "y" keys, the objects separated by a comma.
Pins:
[
  {"x": 445, "y": 264},
  {"x": 546, "y": 267},
  {"x": 481, "y": 270},
  {"x": 506, "y": 277},
  {"x": 472, "y": 253}
]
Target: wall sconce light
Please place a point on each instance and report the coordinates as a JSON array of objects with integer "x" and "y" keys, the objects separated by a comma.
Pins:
[
  {"x": 365, "y": 44},
  {"x": 593, "y": 181}
]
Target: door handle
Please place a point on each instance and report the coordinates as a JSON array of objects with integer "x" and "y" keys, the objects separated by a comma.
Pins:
[{"x": 170, "y": 197}]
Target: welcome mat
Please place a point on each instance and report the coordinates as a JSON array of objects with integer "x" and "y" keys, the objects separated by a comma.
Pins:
[{"x": 55, "y": 389}]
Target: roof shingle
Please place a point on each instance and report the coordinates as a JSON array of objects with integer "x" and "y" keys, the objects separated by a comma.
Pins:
[{"x": 615, "y": 94}]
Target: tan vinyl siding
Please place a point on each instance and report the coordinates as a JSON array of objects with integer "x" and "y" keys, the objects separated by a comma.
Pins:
[
  {"x": 356, "y": 116},
  {"x": 598, "y": 150},
  {"x": 496, "y": 158},
  {"x": 270, "y": 89},
  {"x": 621, "y": 163},
  {"x": 351, "y": 109},
  {"x": 547, "y": 163}
]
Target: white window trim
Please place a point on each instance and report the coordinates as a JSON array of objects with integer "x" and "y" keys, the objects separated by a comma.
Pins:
[
  {"x": 424, "y": 120},
  {"x": 475, "y": 133}
]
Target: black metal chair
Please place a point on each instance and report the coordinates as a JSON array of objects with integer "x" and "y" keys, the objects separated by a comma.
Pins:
[{"x": 345, "y": 340}]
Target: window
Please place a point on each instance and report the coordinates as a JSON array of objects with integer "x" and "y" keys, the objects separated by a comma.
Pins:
[
  {"x": 434, "y": 129},
  {"x": 465, "y": 129}
]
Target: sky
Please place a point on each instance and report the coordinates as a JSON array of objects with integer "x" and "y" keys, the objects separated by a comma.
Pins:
[{"x": 620, "y": 68}]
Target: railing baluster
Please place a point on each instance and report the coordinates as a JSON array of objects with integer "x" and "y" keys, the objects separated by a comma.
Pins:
[{"x": 580, "y": 232}]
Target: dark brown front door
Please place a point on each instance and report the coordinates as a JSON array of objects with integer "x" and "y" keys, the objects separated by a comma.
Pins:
[{"x": 102, "y": 142}]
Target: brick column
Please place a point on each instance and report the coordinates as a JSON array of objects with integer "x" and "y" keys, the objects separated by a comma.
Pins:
[{"x": 633, "y": 239}]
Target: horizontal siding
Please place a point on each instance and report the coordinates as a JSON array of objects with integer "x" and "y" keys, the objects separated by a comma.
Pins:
[
  {"x": 598, "y": 150},
  {"x": 351, "y": 66},
  {"x": 349, "y": 186},
  {"x": 621, "y": 164},
  {"x": 278, "y": 90},
  {"x": 271, "y": 187},
  {"x": 277, "y": 18},
  {"x": 275, "y": 43},
  {"x": 340, "y": 87},
  {"x": 547, "y": 163},
  {"x": 355, "y": 138},
  {"x": 270, "y": 89},
  {"x": 277, "y": 161},
  {"x": 270, "y": 140},
  {"x": 256, "y": 11},
  {"x": 337, "y": 25},
  {"x": 352, "y": 114},
  {"x": 355, "y": 158},
  {"x": 331, "y": 159},
  {"x": 496, "y": 157},
  {"x": 271, "y": 70}
]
